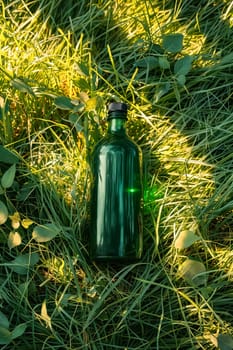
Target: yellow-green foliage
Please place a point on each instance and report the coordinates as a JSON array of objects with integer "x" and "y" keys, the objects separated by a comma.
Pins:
[{"x": 60, "y": 65}]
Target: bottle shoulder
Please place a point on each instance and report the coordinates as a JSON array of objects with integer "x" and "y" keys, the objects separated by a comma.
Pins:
[{"x": 110, "y": 142}]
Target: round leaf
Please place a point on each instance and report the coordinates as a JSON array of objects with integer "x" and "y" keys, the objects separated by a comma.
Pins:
[
  {"x": 193, "y": 272},
  {"x": 4, "y": 320},
  {"x": 181, "y": 79},
  {"x": 14, "y": 240},
  {"x": 173, "y": 42},
  {"x": 163, "y": 62},
  {"x": 7, "y": 156},
  {"x": 64, "y": 103},
  {"x": 8, "y": 177},
  {"x": 183, "y": 65},
  {"x": 22, "y": 263},
  {"x": 227, "y": 59},
  {"x": 19, "y": 330},
  {"x": 5, "y": 336},
  {"x": 185, "y": 239},
  {"x": 44, "y": 233},
  {"x": 2, "y": 191},
  {"x": 225, "y": 342},
  {"x": 3, "y": 213},
  {"x": 149, "y": 62}
]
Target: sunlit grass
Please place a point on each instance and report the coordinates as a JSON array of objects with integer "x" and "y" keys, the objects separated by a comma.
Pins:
[{"x": 91, "y": 53}]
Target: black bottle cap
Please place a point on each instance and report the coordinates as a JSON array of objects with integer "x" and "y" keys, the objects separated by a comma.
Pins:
[{"x": 119, "y": 107}]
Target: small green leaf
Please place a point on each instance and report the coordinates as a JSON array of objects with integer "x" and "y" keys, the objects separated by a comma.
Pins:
[
  {"x": 163, "y": 62},
  {"x": 44, "y": 233},
  {"x": 172, "y": 42},
  {"x": 77, "y": 110},
  {"x": 181, "y": 79},
  {"x": 4, "y": 320},
  {"x": 19, "y": 330},
  {"x": 161, "y": 90},
  {"x": 185, "y": 239},
  {"x": 22, "y": 86},
  {"x": 225, "y": 342},
  {"x": 7, "y": 156},
  {"x": 22, "y": 263},
  {"x": 64, "y": 103},
  {"x": 183, "y": 65},
  {"x": 148, "y": 62},
  {"x": 14, "y": 240},
  {"x": 176, "y": 92},
  {"x": 227, "y": 59},
  {"x": 5, "y": 336},
  {"x": 27, "y": 289},
  {"x": 3, "y": 213},
  {"x": 74, "y": 119},
  {"x": 82, "y": 69},
  {"x": 8, "y": 177},
  {"x": 193, "y": 272},
  {"x": 156, "y": 49},
  {"x": 83, "y": 84}
]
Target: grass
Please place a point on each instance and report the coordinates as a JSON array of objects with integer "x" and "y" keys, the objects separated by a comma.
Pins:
[{"x": 60, "y": 65}]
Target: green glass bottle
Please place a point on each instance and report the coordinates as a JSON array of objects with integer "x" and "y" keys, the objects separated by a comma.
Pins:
[{"x": 116, "y": 196}]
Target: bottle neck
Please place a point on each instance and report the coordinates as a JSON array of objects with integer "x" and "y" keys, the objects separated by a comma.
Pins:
[{"x": 117, "y": 126}]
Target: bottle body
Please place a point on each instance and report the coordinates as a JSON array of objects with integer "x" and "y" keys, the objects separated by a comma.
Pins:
[{"x": 116, "y": 219}]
